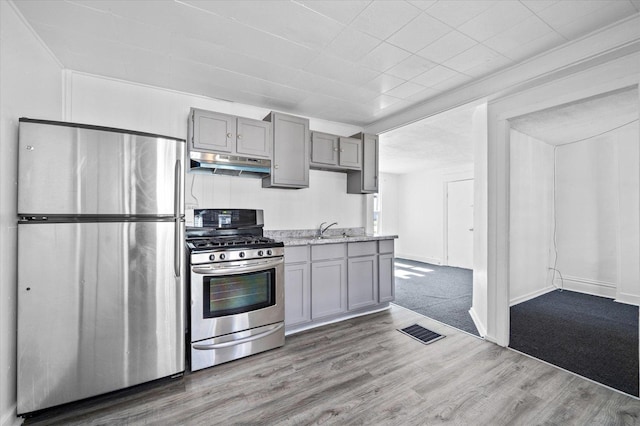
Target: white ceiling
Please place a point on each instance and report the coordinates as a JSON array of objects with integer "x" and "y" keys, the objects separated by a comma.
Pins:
[
  {"x": 444, "y": 141},
  {"x": 580, "y": 120},
  {"x": 348, "y": 61}
]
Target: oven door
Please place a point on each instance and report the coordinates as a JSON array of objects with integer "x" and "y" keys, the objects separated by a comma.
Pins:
[{"x": 235, "y": 296}]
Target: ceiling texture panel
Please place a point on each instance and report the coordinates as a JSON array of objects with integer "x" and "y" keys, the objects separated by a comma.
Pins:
[
  {"x": 287, "y": 51},
  {"x": 351, "y": 61}
]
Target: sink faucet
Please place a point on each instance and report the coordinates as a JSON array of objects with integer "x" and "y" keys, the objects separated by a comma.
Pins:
[{"x": 322, "y": 230}]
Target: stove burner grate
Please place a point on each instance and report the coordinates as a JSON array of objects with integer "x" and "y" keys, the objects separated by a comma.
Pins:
[{"x": 230, "y": 241}]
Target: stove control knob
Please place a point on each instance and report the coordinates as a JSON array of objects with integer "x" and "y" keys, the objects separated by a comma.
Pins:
[
  {"x": 241, "y": 254},
  {"x": 212, "y": 257},
  {"x": 269, "y": 253},
  {"x": 260, "y": 253},
  {"x": 222, "y": 256}
]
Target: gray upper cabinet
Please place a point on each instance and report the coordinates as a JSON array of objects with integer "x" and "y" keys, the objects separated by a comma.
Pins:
[
  {"x": 212, "y": 131},
  {"x": 290, "y": 164},
  {"x": 365, "y": 181},
  {"x": 222, "y": 133},
  {"x": 333, "y": 152},
  {"x": 253, "y": 137},
  {"x": 351, "y": 153},
  {"x": 324, "y": 149}
]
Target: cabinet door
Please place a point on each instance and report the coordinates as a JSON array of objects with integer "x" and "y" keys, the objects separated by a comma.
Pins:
[
  {"x": 213, "y": 131},
  {"x": 363, "y": 282},
  {"x": 324, "y": 149},
  {"x": 253, "y": 138},
  {"x": 351, "y": 153},
  {"x": 290, "y": 165},
  {"x": 370, "y": 163},
  {"x": 328, "y": 288},
  {"x": 297, "y": 294},
  {"x": 386, "y": 281}
]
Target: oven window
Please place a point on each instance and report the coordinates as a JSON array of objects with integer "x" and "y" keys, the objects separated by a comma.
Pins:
[{"x": 235, "y": 294}]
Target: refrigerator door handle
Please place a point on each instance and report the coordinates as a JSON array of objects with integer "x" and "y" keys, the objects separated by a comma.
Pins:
[
  {"x": 177, "y": 235},
  {"x": 177, "y": 193}
]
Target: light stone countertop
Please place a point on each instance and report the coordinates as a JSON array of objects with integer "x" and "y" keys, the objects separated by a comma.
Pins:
[{"x": 301, "y": 237}]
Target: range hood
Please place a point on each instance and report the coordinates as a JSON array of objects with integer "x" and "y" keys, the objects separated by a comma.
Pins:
[{"x": 230, "y": 165}]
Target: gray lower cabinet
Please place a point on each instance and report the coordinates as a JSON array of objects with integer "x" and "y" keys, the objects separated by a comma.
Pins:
[
  {"x": 328, "y": 288},
  {"x": 328, "y": 280},
  {"x": 297, "y": 286},
  {"x": 297, "y": 290},
  {"x": 363, "y": 274},
  {"x": 363, "y": 281},
  {"x": 324, "y": 281},
  {"x": 386, "y": 277},
  {"x": 386, "y": 285},
  {"x": 290, "y": 164}
]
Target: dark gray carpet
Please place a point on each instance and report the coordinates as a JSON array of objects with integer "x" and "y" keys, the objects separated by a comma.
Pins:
[
  {"x": 592, "y": 336},
  {"x": 443, "y": 293}
]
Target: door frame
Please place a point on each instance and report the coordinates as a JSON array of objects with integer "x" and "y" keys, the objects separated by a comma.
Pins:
[{"x": 445, "y": 218}]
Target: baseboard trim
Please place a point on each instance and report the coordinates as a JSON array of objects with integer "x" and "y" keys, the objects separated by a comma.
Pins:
[
  {"x": 476, "y": 320},
  {"x": 531, "y": 295},
  {"x": 10, "y": 417},
  {"x": 629, "y": 299},
  {"x": 587, "y": 286},
  {"x": 430, "y": 260}
]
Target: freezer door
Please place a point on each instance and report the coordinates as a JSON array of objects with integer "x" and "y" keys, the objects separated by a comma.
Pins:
[
  {"x": 68, "y": 171},
  {"x": 100, "y": 308}
]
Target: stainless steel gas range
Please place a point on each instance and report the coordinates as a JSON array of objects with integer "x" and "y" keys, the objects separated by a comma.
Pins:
[{"x": 236, "y": 287}]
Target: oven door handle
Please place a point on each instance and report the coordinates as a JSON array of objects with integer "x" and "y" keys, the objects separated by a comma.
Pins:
[
  {"x": 237, "y": 342},
  {"x": 240, "y": 269}
]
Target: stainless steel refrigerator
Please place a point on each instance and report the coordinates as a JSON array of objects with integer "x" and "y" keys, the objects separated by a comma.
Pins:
[{"x": 100, "y": 261}]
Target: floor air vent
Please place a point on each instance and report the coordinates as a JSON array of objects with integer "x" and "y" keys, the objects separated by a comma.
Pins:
[{"x": 422, "y": 334}]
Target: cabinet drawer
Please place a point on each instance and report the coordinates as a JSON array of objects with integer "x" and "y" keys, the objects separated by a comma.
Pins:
[
  {"x": 385, "y": 246},
  {"x": 296, "y": 254},
  {"x": 363, "y": 249},
  {"x": 328, "y": 251}
]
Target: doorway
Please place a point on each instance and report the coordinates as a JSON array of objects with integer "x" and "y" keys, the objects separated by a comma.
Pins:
[
  {"x": 427, "y": 199},
  {"x": 573, "y": 230}
]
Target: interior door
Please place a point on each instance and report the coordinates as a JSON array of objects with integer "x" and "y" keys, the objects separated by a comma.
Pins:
[{"x": 460, "y": 223}]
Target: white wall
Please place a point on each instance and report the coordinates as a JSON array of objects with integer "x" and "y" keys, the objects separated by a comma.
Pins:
[
  {"x": 628, "y": 290},
  {"x": 421, "y": 210},
  {"x": 101, "y": 101},
  {"x": 588, "y": 78},
  {"x": 30, "y": 84},
  {"x": 591, "y": 202},
  {"x": 531, "y": 217},
  {"x": 479, "y": 307},
  {"x": 390, "y": 215}
]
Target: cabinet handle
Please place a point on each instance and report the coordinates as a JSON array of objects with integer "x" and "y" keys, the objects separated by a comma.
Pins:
[
  {"x": 229, "y": 135},
  {"x": 275, "y": 166},
  {"x": 342, "y": 150},
  {"x": 239, "y": 136},
  {"x": 335, "y": 149}
]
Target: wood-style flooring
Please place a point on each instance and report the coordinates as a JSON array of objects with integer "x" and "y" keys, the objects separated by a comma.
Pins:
[{"x": 364, "y": 372}]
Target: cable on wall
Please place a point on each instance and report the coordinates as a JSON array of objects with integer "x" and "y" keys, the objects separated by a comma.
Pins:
[
  {"x": 599, "y": 134},
  {"x": 554, "y": 268},
  {"x": 193, "y": 179}
]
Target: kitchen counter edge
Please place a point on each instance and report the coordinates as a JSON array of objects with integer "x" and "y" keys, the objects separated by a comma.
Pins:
[{"x": 298, "y": 241}]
